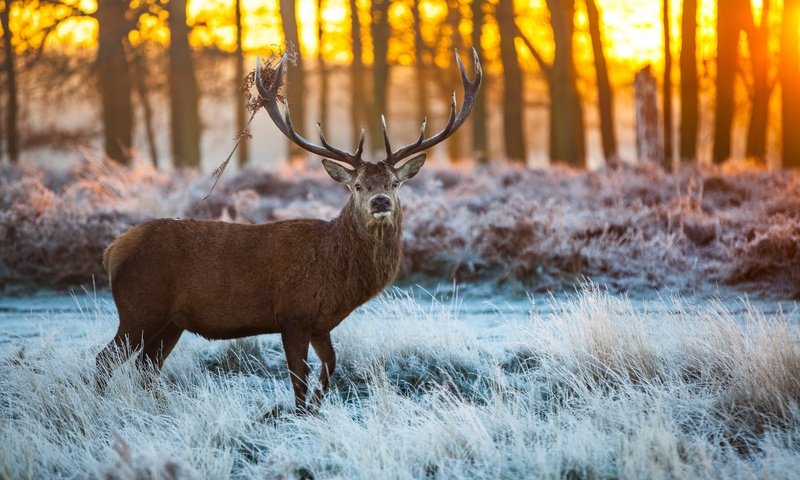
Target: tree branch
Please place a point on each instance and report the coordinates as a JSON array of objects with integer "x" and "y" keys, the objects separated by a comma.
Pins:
[{"x": 543, "y": 66}]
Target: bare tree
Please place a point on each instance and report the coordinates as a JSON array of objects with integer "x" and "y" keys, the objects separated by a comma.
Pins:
[
  {"x": 113, "y": 78},
  {"x": 480, "y": 146},
  {"x": 790, "y": 78},
  {"x": 295, "y": 89},
  {"x": 729, "y": 26},
  {"x": 358, "y": 109},
  {"x": 757, "y": 39},
  {"x": 380, "y": 30},
  {"x": 12, "y": 128},
  {"x": 323, "y": 70},
  {"x": 605, "y": 96},
  {"x": 141, "y": 74},
  {"x": 667, "y": 158},
  {"x": 185, "y": 120},
  {"x": 689, "y": 83},
  {"x": 453, "y": 19},
  {"x": 419, "y": 63},
  {"x": 513, "y": 120},
  {"x": 567, "y": 132},
  {"x": 241, "y": 117}
]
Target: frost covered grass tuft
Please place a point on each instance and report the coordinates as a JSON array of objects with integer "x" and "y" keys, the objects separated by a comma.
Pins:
[
  {"x": 629, "y": 229},
  {"x": 596, "y": 388}
]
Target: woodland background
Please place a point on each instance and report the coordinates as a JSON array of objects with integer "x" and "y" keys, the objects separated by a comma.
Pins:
[{"x": 160, "y": 80}]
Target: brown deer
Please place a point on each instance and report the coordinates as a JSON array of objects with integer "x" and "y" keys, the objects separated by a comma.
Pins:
[{"x": 299, "y": 278}]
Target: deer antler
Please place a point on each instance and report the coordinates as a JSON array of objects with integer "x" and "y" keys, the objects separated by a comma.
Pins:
[
  {"x": 455, "y": 121},
  {"x": 284, "y": 121}
]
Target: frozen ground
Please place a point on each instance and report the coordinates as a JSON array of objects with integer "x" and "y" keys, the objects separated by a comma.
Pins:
[
  {"x": 484, "y": 384},
  {"x": 491, "y": 311},
  {"x": 684, "y": 363}
]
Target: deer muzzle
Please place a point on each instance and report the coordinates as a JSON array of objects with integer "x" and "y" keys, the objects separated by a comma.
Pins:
[{"x": 380, "y": 206}]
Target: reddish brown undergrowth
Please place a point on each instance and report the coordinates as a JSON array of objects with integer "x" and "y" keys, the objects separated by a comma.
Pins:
[{"x": 630, "y": 228}]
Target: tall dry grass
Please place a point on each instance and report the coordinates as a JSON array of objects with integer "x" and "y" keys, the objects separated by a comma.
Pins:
[{"x": 596, "y": 388}]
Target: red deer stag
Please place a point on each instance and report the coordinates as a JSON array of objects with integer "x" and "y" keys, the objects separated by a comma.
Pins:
[{"x": 299, "y": 278}]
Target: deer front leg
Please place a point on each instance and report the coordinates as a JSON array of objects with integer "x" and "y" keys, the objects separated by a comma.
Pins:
[
  {"x": 295, "y": 346},
  {"x": 324, "y": 348}
]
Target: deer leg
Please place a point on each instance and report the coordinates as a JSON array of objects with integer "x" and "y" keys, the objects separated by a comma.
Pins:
[
  {"x": 295, "y": 346},
  {"x": 158, "y": 346},
  {"x": 324, "y": 349},
  {"x": 115, "y": 353}
]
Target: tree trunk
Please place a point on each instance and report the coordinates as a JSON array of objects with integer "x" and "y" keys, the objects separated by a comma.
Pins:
[
  {"x": 419, "y": 64},
  {"x": 512, "y": 85},
  {"x": 567, "y": 133},
  {"x": 380, "y": 70},
  {"x": 140, "y": 77},
  {"x": 728, "y": 28},
  {"x": 480, "y": 146},
  {"x": 323, "y": 71},
  {"x": 666, "y": 162},
  {"x": 605, "y": 99},
  {"x": 295, "y": 77},
  {"x": 243, "y": 153},
  {"x": 358, "y": 109},
  {"x": 185, "y": 120},
  {"x": 113, "y": 79},
  {"x": 12, "y": 106},
  {"x": 757, "y": 38},
  {"x": 648, "y": 146},
  {"x": 689, "y": 84},
  {"x": 454, "y": 151},
  {"x": 790, "y": 78}
]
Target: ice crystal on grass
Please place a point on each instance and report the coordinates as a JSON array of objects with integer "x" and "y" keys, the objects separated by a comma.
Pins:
[{"x": 599, "y": 388}]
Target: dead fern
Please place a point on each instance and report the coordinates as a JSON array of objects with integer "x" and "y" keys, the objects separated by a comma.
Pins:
[{"x": 253, "y": 103}]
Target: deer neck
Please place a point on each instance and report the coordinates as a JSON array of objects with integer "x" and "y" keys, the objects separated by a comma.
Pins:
[
  {"x": 373, "y": 252},
  {"x": 352, "y": 225}
]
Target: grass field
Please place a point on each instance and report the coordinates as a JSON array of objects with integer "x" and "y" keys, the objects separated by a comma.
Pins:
[{"x": 593, "y": 388}]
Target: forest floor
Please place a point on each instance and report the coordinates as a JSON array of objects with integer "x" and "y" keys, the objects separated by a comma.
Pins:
[{"x": 613, "y": 324}]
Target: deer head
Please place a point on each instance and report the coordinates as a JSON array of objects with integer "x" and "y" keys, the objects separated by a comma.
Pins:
[{"x": 374, "y": 186}]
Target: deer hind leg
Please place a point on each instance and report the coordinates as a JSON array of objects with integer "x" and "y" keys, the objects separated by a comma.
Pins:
[
  {"x": 158, "y": 345},
  {"x": 295, "y": 346},
  {"x": 119, "y": 349},
  {"x": 324, "y": 348}
]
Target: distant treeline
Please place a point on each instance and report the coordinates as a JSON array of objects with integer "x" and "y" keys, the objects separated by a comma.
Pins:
[{"x": 124, "y": 69}]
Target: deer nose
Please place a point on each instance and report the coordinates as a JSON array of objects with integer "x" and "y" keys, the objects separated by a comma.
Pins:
[{"x": 380, "y": 203}]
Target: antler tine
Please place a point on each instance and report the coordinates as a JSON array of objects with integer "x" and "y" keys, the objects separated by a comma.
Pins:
[
  {"x": 330, "y": 147},
  {"x": 454, "y": 121},
  {"x": 284, "y": 121},
  {"x": 271, "y": 93},
  {"x": 386, "y": 138},
  {"x": 360, "y": 148}
]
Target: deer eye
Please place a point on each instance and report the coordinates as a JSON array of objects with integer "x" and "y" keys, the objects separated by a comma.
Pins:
[
  {"x": 358, "y": 187},
  {"x": 395, "y": 184}
]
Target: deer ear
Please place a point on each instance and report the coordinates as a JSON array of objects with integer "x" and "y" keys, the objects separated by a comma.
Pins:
[
  {"x": 410, "y": 168},
  {"x": 337, "y": 172}
]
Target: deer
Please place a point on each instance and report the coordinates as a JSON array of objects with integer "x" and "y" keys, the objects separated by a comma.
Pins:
[{"x": 297, "y": 278}]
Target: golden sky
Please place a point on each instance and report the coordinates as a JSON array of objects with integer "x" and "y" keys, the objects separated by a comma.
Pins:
[{"x": 632, "y": 28}]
